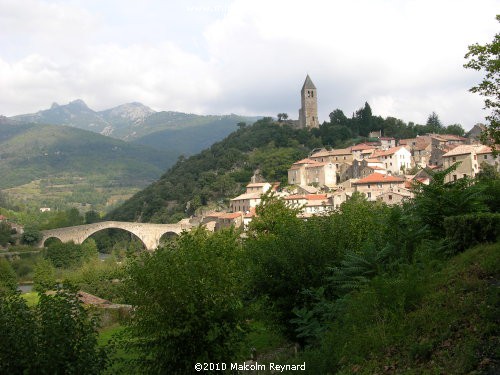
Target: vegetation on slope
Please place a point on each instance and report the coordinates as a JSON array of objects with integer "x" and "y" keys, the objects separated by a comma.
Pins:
[{"x": 222, "y": 170}]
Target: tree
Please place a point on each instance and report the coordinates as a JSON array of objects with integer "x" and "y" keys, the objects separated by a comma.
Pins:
[
  {"x": 44, "y": 278},
  {"x": 8, "y": 278},
  {"x": 187, "y": 300},
  {"x": 337, "y": 117},
  {"x": 92, "y": 217},
  {"x": 31, "y": 236},
  {"x": 434, "y": 124},
  {"x": 486, "y": 58},
  {"x": 282, "y": 116},
  {"x": 5, "y": 233},
  {"x": 55, "y": 337},
  {"x": 455, "y": 129}
]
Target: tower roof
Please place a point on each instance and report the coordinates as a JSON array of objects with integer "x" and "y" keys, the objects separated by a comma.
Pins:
[{"x": 308, "y": 84}]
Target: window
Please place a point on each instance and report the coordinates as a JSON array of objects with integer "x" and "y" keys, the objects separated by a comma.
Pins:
[
  {"x": 369, "y": 186},
  {"x": 390, "y": 197},
  {"x": 485, "y": 157},
  {"x": 454, "y": 177},
  {"x": 369, "y": 195},
  {"x": 454, "y": 159},
  {"x": 379, "y": 185},
  {"x": 465, "y": 175}
]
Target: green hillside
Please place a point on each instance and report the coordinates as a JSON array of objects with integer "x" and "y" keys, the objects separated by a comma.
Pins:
[
  {"x": 220, "y": 171},
  {"x": 66, "y": 157},
  {"x": 191, "y": 134}
]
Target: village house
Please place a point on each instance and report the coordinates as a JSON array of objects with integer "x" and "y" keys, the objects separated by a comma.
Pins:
[
  {"x": 310, "y": 172},
  {"x": 245, "y": 202},
  {"x": 230, "y": 219},
  {"x": 396, "y": 159},
  {"x": 398, "y": 196},
  {"x": 362, "y": 150},
  {"x": 470, "y": 158},
  {"x": 420, "y": 149},
  {"x": 297, "y": 172},
  {"x": 376, "y": 184},
  {"x": 387, "y": 143},
  {"x": 310, "y": 204}
]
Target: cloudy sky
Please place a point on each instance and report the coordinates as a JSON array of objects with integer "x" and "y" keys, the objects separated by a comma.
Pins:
[{"x": 404, "y": 57}]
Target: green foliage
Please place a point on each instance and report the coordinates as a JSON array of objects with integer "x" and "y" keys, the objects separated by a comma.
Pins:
[
  {"x": 67, "y": 336},
  {"x": 44, "y": 277},
  {"x": 5, "y": 233},
  {"x": 69, "y": 254},
  {"x": 469, "y": 230},
  {"x": 440, "y": 199},
  {"x": 8, "y": 278},
  {"x": 92, "y": 217},
  {"x": 187, "y": 299},
  {"x": 31, "y": 236},
  {"x": 18, "y": 347},
  {"x": 100, "y": 278},
  {"x": 286, "y": 255},
  {"x": 485, "y": 58},
  {"x": 422, "y": 320},
  {"x": 55, "y": 337}
]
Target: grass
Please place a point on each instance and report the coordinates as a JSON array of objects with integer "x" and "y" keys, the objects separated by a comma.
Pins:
[{"x": 31, "y": 298}]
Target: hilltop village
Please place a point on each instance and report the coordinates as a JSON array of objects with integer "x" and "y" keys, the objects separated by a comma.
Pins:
[{"x": 383, "y": 169}]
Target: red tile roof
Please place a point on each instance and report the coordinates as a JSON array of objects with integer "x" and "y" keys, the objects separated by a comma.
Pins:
[
  {"x": 305, "y": 161},
  {"x": 361, "y": 147},
  {"x": 231, "y": 215},
  {"x": 388, "y": 152},
  {"x": 378, "y": 177}
]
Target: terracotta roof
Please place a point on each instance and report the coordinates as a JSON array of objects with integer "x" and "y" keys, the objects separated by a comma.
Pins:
[
  {"x": 231, "y": 215},
  {"x": 387, "y": 138},
  {"x": 305, "y": 161},
  {"x": 466, "y": 149},
  {"x": 342, "y": 151},
  {"x": 311, "y": 197},
  {"x": 247, "y": 196},
  {"x": 378, "y": 177},
  {"x": 318, "y": 164},
  {"x": 89, "y": 299},
  {"x": 361, "y": 146},
  {"x": 295, "y": 197},
  {"x": 375, "y": 167},
  {"x": 258, "y": 184},
  {"x": 388, "y": 152},
  {"x": 214, "y": 214},
  {"x": 373, "y": 160},
  {"x": 485, "y": 150}
]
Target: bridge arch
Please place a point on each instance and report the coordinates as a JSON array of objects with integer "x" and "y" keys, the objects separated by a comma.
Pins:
[
  {"x": 149, "y": 234},
  {"x": 48, "y": 240}
]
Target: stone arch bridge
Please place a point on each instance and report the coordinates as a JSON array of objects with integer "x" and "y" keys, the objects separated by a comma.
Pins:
[{"x": 149, "y": 234}]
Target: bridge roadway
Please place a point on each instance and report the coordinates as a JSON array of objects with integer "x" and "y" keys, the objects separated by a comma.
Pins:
[{"x": 149, "y": 234}]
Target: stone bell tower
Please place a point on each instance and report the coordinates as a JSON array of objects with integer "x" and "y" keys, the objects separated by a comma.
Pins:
[{"x": 308, "y": 113}]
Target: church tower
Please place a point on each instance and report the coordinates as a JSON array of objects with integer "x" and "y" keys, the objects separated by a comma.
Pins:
[{"x": 308, "y": 113}]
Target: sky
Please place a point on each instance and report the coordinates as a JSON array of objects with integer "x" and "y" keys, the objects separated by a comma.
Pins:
[{"x": 249, "y": 57}]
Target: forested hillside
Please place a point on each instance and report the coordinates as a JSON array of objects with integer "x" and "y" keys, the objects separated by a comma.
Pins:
[{"x": 221, "y": 171}]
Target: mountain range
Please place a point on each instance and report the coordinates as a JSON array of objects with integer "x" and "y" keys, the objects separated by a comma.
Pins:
[{"x": 177, "y": 132}]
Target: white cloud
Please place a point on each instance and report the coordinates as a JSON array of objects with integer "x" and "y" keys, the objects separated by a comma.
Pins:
[{"x": 403, "y": 57}]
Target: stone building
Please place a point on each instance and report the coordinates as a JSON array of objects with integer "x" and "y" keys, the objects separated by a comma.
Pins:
[{"x": 308, "y": 113}]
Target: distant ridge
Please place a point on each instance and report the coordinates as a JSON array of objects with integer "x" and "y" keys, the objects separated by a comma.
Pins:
[{"x": 166, "y": 130}]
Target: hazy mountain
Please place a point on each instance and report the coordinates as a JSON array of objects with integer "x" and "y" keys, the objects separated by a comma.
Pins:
[
  {"x": 33, "y": 151},
  {"x": 166, "y": 130}
]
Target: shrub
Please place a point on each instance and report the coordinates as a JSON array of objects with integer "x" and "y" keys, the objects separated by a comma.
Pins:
[{"x": 465, "y": 231}]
